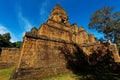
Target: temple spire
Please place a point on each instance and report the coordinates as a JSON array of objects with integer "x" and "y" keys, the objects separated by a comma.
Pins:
[
  {"x": 58, "y": 14},
  {"x": 57, "y": 6}
]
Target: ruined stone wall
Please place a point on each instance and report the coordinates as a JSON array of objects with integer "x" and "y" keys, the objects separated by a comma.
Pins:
[
  {"x": 113, "y": 49},
  {"x": 59, "y": 25},
  {"x": 9, "y": 55},
  {"x": 91, "y": 38},
  {"x": 54, "y": 32},
  {"x": 42, "y": 58},
  {"x": 89, "y": 48},
  {"x": 82, "y": 37},
  {"x": 67, "y": 33},
  {"x": 57, "y": 47}
]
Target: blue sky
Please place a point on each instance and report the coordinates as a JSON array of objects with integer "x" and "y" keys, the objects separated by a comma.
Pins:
[{"x": 19, "y": 16}]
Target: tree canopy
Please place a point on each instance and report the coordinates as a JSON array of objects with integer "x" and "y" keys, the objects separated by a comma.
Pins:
[
  {"x": 106, "y": 21},
  {"x": 5, "y": 41}
]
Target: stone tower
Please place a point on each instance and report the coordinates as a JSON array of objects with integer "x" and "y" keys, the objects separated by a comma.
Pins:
[
  {"x": 59, "y": 15},
  {"x": 58, "y": 27},
  {"x": 43, "y": 53}
]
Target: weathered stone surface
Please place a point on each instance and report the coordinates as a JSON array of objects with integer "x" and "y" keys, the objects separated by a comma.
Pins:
[
  {"x": 9, "y": 57},
  {"x": 67, "y": 33},
  {"x": 59, "y": 15},
  {"x": 91, "y": 38},
  {"x": 113, "y": 49},
  {"x": 58, "y": 47},
  {"x": 43, "y": 55}
]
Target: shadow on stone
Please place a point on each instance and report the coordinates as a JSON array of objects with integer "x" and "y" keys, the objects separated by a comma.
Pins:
[
  {"x": 0, "y": 51},
  {"x": 93, "y": 67},
  {"x": 76, "y": 60}
]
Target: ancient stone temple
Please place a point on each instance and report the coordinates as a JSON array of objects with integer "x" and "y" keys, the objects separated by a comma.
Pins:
[{"x": 46, "y": 52}]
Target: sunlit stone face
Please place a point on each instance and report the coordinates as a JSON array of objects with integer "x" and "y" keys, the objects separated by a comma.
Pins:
[{"x": 58, "y": 14}]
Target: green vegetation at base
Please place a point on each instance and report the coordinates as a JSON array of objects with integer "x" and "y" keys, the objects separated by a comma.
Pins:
[
  {"x": 63, "y": 77},
  {"x": 6, "y": 73},
  {"x": 93, "y": 75},
  {"x": 100, "y": 76}
]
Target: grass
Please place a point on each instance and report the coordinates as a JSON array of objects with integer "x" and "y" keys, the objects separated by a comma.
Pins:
[
  {"x": 5, "y": 73},
  {"x": 63, "y": 77},
  {"x": 100, "y": 76}
]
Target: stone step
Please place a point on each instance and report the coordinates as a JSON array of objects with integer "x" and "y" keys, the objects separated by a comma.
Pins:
[
  {"x": 5, "y": 65},
  {"x": 37, "y": 74}
]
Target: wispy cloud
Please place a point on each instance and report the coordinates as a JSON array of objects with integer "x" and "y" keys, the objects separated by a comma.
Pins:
[
  {"x": 44, "y": 10},
  {"x": 23, "y": 22},
  {"x": 3, "y": 30}
]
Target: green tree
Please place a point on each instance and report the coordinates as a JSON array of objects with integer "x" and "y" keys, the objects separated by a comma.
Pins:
[
  {"x": 18, "y": 44},
  {"x": 116, "y": 28},
  {"x": 5, "y": 40},
  {"x": 107, "y": 22}
]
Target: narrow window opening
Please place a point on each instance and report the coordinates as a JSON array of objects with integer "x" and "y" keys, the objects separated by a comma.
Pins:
[{"x": 62, "y": 20}]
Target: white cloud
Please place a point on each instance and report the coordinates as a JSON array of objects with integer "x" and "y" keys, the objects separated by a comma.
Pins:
[
  {"x": 24, "y": 23},
  {"x": 44, "y": 10},
  {"x": 3, "y": 30}
]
